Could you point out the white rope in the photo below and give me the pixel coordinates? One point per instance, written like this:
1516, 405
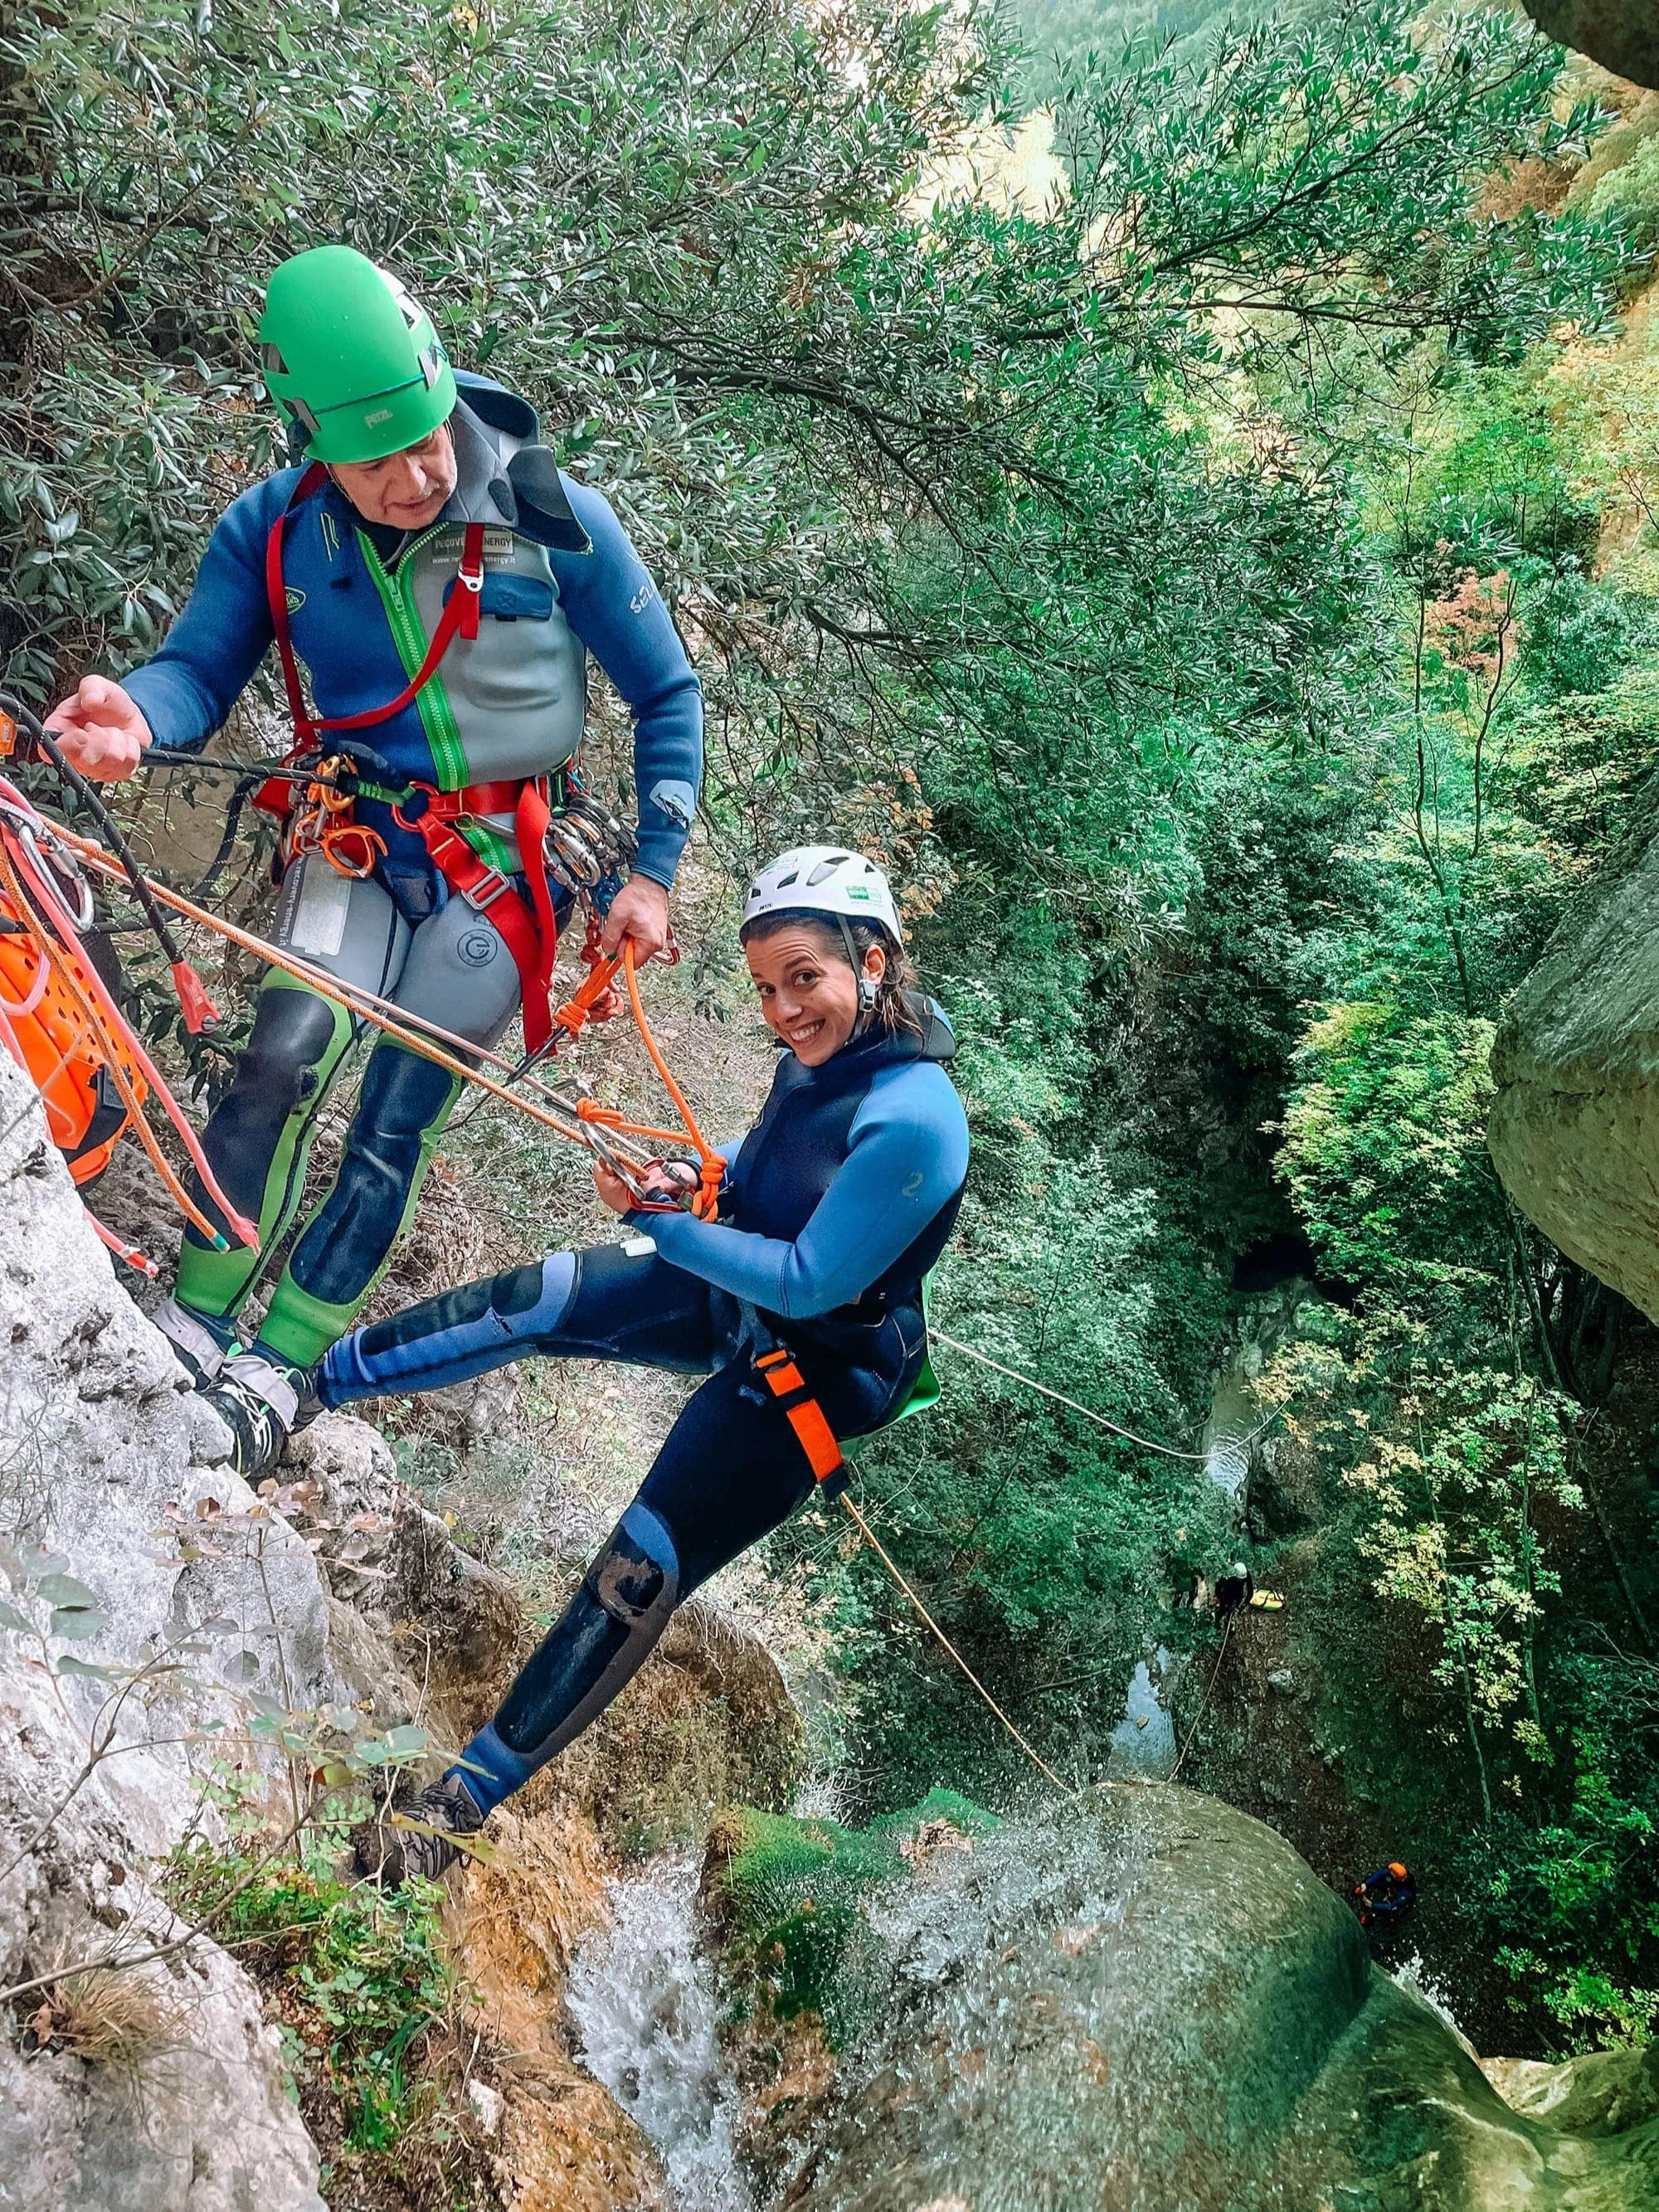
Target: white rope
1169, 1451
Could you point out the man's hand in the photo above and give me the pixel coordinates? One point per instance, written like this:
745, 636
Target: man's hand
639, 912
101, 733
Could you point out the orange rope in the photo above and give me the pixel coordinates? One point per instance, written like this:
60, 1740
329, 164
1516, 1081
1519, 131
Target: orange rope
706, 1204
104, 1027
428, 1039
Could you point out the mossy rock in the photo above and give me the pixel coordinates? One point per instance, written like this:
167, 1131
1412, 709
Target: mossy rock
783, 1894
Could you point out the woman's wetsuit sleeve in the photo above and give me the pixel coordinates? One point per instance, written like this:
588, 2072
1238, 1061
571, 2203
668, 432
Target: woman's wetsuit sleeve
907, 1154
616, 611
186, 691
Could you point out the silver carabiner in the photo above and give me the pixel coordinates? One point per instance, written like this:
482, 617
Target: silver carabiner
57, 863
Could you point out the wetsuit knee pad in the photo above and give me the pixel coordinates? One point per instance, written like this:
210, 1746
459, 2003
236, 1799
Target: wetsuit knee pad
454, 1337
296, 1036
637, 1576
609, 1630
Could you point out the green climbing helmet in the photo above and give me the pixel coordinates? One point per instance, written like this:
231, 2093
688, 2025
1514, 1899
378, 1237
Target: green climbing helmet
350, 359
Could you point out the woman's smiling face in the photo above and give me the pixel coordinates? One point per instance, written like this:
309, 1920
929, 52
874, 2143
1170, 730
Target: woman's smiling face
808, 994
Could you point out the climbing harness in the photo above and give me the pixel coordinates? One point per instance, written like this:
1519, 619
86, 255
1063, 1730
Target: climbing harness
778, 1371
321, 819
58, 1019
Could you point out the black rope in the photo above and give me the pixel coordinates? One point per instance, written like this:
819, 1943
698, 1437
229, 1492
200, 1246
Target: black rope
238, 798
37, 733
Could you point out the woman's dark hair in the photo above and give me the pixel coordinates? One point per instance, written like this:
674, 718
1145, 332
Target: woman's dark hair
892, 1008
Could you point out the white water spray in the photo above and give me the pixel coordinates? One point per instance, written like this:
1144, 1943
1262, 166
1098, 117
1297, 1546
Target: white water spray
644, 2001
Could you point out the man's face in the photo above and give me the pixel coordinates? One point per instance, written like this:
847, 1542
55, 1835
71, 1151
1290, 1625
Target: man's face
407, 489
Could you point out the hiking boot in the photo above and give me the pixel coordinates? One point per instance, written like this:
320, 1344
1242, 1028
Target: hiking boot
391, 1856
259, 1403
195, 1344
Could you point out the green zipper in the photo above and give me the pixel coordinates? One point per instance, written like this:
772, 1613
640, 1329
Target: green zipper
403, 615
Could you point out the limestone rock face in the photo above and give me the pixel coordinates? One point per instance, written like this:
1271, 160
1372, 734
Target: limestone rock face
1574, 1129
1623, 35
105, 1462
1157, 2003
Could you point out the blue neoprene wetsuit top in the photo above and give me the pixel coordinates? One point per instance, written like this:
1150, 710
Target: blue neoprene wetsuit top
562, 581
840, 1199
843, 1194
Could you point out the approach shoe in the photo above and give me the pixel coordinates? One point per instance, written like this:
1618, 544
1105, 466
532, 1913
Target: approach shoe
394, 1854
197, 1345
259, 1401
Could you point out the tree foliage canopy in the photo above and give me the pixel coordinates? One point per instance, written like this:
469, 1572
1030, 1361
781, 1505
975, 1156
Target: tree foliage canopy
1212, 563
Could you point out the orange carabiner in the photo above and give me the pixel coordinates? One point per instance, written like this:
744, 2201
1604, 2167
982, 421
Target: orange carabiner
329, 796
338, 834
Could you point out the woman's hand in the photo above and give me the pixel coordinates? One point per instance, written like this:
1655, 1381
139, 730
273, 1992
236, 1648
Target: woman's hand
612, 1188
667, 1181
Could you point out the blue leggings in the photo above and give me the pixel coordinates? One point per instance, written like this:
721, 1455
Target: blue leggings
730, 1470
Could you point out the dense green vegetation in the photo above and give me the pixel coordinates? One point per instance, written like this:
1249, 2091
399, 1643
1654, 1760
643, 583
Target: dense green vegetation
366, 2001
1220, 581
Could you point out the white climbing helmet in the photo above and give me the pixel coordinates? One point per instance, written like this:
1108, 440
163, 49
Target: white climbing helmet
826, 879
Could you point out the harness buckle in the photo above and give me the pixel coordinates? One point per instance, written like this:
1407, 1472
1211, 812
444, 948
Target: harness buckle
482, 895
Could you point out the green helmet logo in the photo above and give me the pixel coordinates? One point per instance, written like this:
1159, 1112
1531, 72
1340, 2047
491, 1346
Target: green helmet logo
350, 358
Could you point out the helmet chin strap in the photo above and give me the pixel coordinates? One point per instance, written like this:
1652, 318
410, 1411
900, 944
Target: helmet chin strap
869, 989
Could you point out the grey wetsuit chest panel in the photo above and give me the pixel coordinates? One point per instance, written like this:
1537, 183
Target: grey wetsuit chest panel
517, 692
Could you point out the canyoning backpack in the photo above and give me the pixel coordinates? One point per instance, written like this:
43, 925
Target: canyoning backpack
50, 1016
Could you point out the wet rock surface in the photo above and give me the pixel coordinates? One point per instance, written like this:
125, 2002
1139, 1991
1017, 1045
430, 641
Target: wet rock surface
1158, 2004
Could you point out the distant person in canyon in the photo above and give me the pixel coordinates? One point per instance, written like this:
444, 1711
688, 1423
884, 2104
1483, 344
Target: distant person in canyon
1386, 1896
802, 1304
444, 584
1234, 1590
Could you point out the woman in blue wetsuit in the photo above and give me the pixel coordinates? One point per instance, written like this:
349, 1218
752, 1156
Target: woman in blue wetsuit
834, 1207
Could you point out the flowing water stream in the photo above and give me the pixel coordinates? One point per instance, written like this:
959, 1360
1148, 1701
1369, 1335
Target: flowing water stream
1144, 1741
645, 2004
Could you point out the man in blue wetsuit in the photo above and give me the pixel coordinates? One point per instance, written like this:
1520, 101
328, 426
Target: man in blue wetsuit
802, 1304
443, 583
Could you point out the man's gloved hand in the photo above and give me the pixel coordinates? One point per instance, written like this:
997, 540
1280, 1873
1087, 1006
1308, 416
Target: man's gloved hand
101, 733
639, 911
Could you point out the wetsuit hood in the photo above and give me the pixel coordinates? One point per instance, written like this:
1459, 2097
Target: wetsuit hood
525, 490
529, 493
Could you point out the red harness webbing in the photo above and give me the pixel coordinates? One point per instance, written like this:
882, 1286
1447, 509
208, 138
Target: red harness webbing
530, 937
530, 932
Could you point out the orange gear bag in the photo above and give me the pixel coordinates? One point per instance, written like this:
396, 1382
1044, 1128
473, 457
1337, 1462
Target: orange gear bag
50, 1036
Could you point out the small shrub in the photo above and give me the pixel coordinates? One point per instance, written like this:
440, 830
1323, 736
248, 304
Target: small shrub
358, 1978
788, 1892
